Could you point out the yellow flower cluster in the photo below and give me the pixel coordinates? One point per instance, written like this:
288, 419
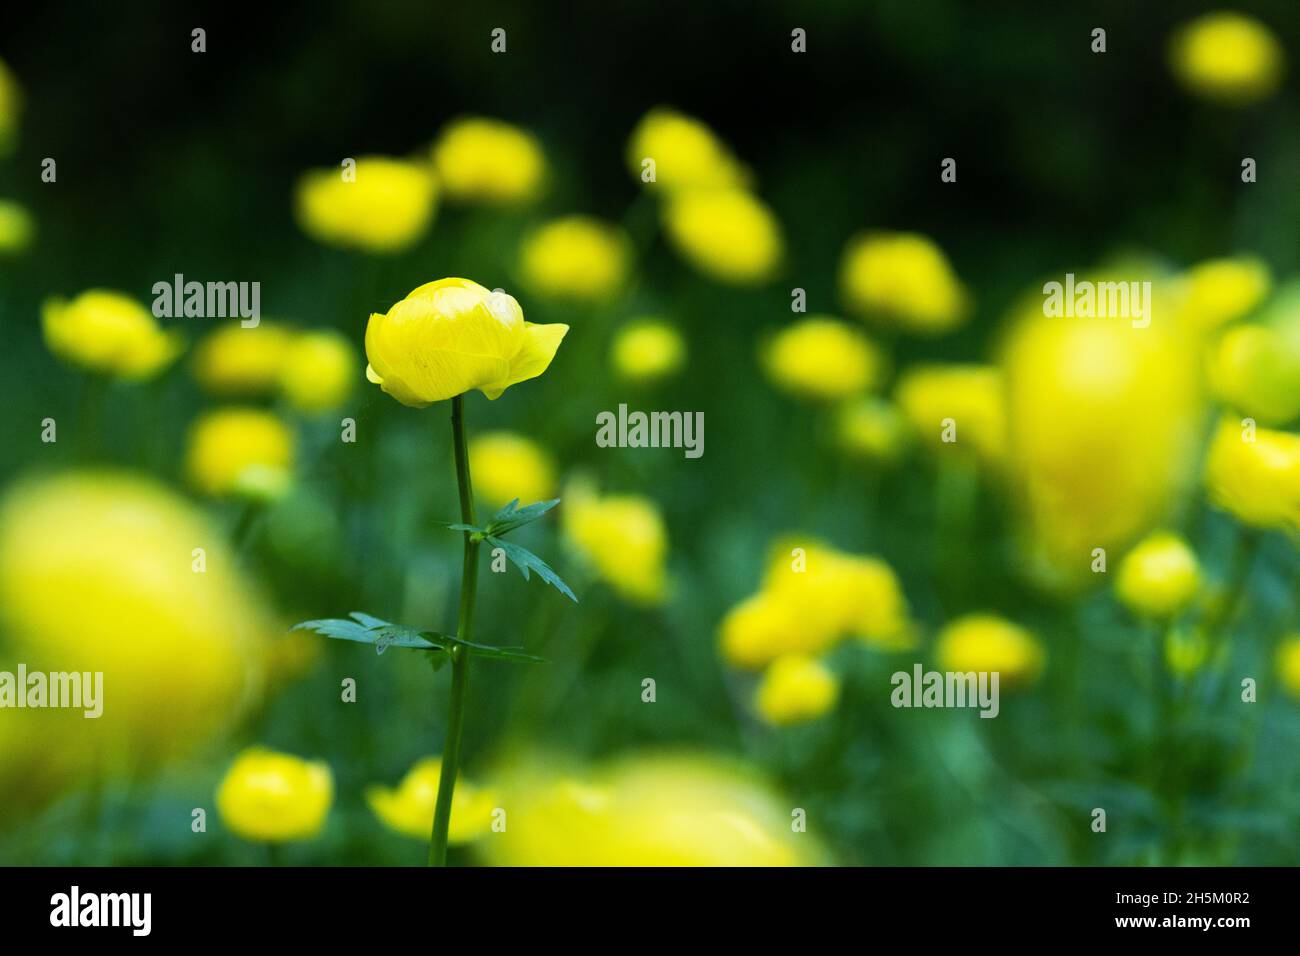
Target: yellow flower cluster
578, 258
407, 809
506, 466
109, 333
822, 358
313, 370
1227, 57
623, 539
274, 797
902, 279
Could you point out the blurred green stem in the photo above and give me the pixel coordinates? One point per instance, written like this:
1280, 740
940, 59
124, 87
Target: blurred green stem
459, 658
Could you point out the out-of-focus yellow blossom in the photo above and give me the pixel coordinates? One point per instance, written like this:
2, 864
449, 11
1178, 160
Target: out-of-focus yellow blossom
985, 642
385, 207
273, 797
486, 160
1186, 651
1227, 57
795, 689
686, 154
233, 361
408, 808
506, 466
822, 358
1103, 420
654, 810
871, 428
902, 279
1255, 369
10, 106
318, 370
580, 258
727, 234
1220, 291
239, 451
1159, 577
766, 625
647, 350
110, 333
1288, 664
99, 572
16, 228
1257, 481
452, 335
624, 539
972, 396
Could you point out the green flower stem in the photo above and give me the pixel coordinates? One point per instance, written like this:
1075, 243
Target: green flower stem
459, 656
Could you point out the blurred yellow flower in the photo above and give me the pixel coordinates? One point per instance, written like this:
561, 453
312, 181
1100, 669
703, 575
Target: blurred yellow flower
237, 450
507, 466
647, 350
408, 808
987, 643
233, 361
111, 572
1288, 664
11, 101
902, 279
384, 205
795, 689
486, 160
1186, 651
110, 333
453, 335
822, 358
727, 234
652, 810
318, 370
1219, 291
576, 257
955, 407
623, 538
1159, 577
273, 797
766, 625
1255, 369
686, 154
872, 429
1228, 57
1254, 474
17, 228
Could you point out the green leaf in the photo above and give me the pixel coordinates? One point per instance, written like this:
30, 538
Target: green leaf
526, 561
366, 629
467, 527
515, 654
511, 516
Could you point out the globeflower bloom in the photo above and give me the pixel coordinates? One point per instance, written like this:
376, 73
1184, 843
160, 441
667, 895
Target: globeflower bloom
384, 206
987, 643
1254, 474
822, 358
872, 429
17, 228
647, 350
240, 451
318, 371
623, 538
274, 797
507, 466
1255, 369
970, 398
453, 335
109, 333
233, 361
902, 279
1159, 577
1227, 57
407, 809
686, 153
727, 234
488, 161
576, 257
1219, 291
795, 689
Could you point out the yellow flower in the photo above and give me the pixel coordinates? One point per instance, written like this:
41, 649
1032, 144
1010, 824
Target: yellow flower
903, 279
506, 466
1254, 474
795, 689
453, 335
383, 205
766, 625
1255, 369
240, 451
647, 350
408, 808
99, 573
318, 370
646, 810
272, 797
1288, 664
11, 102
727, 234
1227, 57
576, 257
110, 333
17, 228
686, 154
623, 538
822, 358
233, 361
971, 396
1220, 291
986, 643
1159, 577
872, 429
1186, 651
486, 160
